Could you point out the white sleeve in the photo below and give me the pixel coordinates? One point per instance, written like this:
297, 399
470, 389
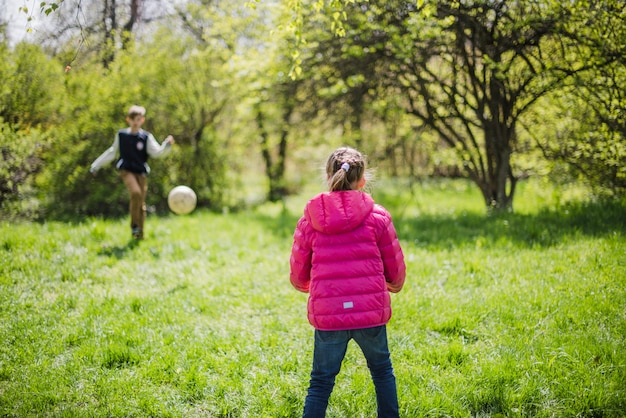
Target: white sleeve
155, 150
107, 156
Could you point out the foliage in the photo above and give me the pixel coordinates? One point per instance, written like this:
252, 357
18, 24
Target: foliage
467, 71
28, 94
184, 98
276, 104
94, 109
424, 88
187, 97
516, 314
21, 160
44, 7
583, 126
30, 87
583, 133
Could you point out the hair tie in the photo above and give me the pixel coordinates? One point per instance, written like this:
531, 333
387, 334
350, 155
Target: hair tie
345, 167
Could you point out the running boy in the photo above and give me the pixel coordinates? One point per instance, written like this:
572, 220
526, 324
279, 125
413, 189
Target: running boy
347, 256
134, 146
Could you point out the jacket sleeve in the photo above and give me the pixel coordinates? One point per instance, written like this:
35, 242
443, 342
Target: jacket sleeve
155, 150
393, 258
300, 261
107, 156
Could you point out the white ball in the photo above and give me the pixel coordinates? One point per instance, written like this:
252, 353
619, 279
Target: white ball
182, 200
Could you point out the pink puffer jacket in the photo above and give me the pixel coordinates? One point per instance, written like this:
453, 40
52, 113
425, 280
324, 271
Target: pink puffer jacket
346, 254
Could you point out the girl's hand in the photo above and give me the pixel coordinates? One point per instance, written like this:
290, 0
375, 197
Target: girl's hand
170, 139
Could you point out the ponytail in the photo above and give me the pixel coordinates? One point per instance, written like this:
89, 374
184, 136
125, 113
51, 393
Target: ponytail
339, 181
345, 168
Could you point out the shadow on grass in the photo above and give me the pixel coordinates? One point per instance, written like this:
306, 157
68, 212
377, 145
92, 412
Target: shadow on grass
119, 251
281, 225
544, 229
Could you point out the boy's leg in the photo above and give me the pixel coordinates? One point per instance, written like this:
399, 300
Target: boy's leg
142, 180
136, 193
328, 353
373, 343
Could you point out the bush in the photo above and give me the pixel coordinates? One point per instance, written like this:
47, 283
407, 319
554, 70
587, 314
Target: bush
21, 160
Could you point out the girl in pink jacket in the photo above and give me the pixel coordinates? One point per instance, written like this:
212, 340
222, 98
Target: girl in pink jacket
347, 256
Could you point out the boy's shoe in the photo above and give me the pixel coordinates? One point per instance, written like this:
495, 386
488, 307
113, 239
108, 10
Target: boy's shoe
137, 233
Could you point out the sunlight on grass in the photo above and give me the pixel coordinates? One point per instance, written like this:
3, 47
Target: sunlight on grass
513, 315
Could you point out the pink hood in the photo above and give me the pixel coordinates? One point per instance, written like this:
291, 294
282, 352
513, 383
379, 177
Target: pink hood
338, 212
346, 254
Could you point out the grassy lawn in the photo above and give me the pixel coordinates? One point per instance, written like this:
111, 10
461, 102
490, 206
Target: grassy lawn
506, 315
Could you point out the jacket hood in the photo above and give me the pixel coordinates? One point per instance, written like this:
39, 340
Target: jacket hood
338, 212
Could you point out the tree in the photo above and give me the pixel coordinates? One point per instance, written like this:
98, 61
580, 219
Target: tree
272, 97
30, 86
586, 127
111, 27
598, 148
468, 70
182, 91
185, 79
101, 27
586, 134
190, 93
28, 97
274, 108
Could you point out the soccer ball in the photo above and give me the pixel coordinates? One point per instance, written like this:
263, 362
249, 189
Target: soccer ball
182, 200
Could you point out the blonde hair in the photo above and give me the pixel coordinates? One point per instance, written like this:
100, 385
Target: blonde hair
135, 110
345, 167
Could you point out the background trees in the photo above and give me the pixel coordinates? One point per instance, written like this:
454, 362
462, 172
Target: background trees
491, 90
467, 71
587, 133
28, 99
180, 78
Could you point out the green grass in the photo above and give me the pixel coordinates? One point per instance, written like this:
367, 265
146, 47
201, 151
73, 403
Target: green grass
518, 314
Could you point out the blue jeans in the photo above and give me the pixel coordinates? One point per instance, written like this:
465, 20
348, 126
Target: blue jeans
329, 351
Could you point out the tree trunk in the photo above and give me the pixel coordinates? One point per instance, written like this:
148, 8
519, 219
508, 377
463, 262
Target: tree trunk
498, 186
273, 171
132, 20
110, 26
